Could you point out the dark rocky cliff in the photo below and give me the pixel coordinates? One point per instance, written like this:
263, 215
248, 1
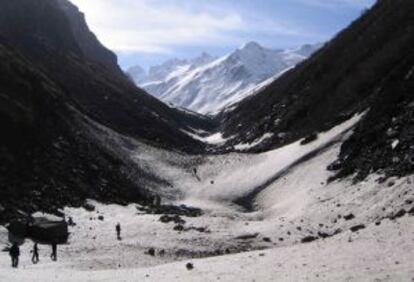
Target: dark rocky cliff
368, 66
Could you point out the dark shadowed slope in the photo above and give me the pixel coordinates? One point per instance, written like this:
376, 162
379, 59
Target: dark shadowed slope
54, 35
56, 82
369, 65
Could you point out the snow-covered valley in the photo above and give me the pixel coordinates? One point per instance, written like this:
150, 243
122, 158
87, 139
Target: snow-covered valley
299, 226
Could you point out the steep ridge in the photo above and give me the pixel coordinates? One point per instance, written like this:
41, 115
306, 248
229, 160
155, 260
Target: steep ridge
367, 66
57, 83
91, 83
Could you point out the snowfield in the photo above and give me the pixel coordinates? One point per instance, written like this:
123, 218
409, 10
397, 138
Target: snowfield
354, 232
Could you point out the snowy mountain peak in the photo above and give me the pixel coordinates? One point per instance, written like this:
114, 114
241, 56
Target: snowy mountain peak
207, 85
251, 46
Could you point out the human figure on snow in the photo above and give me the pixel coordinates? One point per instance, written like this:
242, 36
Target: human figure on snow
53, 255
118, 231
14, 254
35, 256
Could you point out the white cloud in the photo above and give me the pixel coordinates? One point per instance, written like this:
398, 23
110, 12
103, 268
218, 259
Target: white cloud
150, 26
158, 26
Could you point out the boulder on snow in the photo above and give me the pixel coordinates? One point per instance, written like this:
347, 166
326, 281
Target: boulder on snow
89, 207
357, 227
47, 230
17, 231
308, 239
310, 138
189, 266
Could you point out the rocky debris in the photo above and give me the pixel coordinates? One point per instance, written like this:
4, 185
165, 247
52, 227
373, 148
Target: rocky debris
399, 214
357, 227
310, 138
309, 239
411, 211
172, 218
47, 231
323, 235
101, 218
18, 228
151, 252
247, 236
189, 266
89, 207
199, 229
40, 229
349, 216
267, 239
179, 227
181, 210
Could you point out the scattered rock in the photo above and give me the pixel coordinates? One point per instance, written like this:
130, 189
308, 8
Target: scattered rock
323, 234
399, 214
189, 266
151, 252
247, 236
310, 138
308, 239
89, 207
349, 216
181, 210
71, 222
267, 239
48, 231
179, 227
172, 218
357, 227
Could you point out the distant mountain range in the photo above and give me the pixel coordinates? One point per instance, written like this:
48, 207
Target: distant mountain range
207, 84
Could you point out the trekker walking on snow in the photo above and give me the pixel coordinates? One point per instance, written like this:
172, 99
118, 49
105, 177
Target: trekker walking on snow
53, 256
14, 254
118, 231
35, 256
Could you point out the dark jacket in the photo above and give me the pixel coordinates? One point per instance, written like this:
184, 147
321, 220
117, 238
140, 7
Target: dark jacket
14, 251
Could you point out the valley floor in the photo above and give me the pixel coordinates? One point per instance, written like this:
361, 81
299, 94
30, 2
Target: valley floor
302, 228
376, 253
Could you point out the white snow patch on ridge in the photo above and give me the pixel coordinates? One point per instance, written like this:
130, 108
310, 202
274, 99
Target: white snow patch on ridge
245, 146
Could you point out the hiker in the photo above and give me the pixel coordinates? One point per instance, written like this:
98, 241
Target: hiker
14, 254
53, 256
118, 231
35, 256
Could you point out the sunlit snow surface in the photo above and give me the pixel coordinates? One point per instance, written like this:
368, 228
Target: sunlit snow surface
295, 202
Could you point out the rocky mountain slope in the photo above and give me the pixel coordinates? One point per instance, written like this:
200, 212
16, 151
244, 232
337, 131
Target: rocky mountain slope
207, 84
57, 84
367, 67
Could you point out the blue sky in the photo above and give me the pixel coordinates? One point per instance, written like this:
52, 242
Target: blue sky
147, 32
